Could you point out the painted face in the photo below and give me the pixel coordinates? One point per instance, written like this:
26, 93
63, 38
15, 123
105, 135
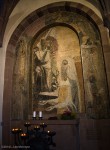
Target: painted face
65, 62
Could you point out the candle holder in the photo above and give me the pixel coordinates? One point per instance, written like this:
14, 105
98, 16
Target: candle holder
24, 137
51, 134
43, 126
34, 137
37, 131
18, 135
34, 118
15, 132
37, 128
27, 125
40, 118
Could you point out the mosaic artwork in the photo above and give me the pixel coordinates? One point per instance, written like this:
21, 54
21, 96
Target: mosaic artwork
56, 86
61, 69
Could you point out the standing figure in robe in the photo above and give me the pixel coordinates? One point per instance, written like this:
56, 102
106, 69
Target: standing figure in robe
45, 64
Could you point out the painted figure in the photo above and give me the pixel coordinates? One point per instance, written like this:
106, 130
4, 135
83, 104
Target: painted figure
45, 64
68, 97
44, 56
39, 73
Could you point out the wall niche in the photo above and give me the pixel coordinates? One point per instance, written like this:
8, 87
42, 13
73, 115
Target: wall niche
61, 69
56, 72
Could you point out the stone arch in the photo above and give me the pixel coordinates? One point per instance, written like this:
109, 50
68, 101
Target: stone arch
26, 27
38, 17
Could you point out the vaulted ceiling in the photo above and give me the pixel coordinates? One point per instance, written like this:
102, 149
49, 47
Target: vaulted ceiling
7, 6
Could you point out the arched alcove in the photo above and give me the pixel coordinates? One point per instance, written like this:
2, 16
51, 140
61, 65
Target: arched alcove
90, 74
89, 38
56, 45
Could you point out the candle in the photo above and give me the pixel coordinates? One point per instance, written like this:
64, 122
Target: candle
40, 114
43, 125
51, 133
27, 124
24, 136
37, 128
14, 131
48, 131
34, 113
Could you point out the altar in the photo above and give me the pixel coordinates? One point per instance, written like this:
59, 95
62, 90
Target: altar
77, 134
67, 132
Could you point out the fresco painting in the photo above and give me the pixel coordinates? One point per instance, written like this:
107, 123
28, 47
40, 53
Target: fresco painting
94, 78
19, 103
55, 81
60, 70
